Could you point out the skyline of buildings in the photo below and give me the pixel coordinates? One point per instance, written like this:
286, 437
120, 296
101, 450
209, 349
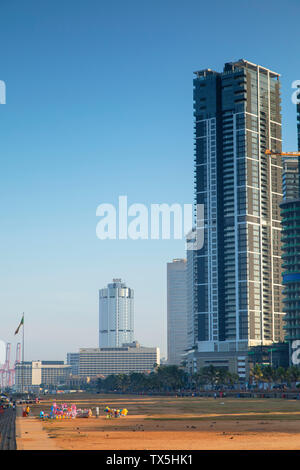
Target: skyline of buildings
239, 300
115, 312
227, 297
63, 158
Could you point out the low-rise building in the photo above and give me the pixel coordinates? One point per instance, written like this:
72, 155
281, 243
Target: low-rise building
131, 357
76, 382
73, 361
233, 362
32, 374
275, 355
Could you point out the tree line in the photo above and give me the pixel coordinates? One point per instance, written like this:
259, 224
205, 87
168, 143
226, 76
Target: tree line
166, 379
172, 378
279, 375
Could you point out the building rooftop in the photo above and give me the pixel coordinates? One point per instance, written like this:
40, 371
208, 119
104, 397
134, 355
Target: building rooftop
236, 64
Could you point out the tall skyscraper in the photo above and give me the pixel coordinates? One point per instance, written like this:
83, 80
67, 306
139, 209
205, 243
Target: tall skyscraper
290, 211
238, 281
291, 176
176, 310
115, 315
298, 124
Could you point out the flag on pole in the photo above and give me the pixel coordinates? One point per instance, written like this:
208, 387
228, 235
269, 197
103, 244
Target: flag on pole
21, 323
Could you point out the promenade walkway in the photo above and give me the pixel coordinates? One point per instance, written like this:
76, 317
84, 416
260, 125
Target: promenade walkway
7, 429
30, 435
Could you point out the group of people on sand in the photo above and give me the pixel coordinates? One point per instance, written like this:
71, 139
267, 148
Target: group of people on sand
114, 413
221, 395
65, 411
26, 411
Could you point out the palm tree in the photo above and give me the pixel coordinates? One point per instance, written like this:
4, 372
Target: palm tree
268, 374
171, 378
109, 383
280, 374
199, 379
193, 381
137, 382
222, 376
293, 374
256, 373
231, 378
210, 375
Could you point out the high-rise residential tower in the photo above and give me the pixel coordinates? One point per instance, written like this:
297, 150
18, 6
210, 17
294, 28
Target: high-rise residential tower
290, 211
176, 310
298, 124
290, 179
238, 278
115, 315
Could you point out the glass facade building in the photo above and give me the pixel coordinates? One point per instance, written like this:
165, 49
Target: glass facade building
115, 315
290, 210
291, 263
298, 124
238, 278
290, 179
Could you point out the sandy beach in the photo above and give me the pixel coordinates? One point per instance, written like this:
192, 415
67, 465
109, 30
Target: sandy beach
168, 424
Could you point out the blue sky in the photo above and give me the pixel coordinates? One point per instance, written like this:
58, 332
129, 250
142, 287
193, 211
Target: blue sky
99, 104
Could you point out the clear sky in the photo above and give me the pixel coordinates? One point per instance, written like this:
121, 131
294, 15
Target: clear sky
99, 104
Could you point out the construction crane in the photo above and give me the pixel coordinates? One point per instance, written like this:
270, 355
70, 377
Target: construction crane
7, 374
12, 371
5, 370
282, 154
285, 156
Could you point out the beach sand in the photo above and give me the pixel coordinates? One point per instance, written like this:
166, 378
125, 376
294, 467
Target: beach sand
217, 425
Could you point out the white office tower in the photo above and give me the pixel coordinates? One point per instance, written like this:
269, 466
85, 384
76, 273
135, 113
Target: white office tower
177, 310
115, 315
